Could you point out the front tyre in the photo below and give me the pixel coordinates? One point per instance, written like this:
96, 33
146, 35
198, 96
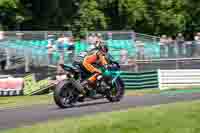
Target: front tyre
65, 94
117, 91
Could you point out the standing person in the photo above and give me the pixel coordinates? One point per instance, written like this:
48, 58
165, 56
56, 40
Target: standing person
171, 47
2, 59
2, 37
60, 47
3, 64
97, 40
198, 45
50, 51
109, 35
91, 39
133, 64
180, 44
140, 50
163, 46
71, 48
124, 57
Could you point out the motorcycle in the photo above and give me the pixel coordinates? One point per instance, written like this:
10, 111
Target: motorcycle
109, 85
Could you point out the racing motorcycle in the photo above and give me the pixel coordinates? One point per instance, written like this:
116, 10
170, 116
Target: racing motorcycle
109, 85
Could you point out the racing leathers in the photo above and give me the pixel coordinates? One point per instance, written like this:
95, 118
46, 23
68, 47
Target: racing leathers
95, 56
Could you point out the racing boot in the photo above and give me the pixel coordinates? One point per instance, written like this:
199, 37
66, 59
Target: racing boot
80, 88
83, 91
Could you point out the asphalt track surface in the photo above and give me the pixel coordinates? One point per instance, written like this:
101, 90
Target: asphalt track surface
17, 117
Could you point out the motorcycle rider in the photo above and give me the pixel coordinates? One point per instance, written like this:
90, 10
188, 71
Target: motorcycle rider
97, 56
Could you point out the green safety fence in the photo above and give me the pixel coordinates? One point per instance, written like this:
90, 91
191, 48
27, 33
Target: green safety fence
140, 80
132, 80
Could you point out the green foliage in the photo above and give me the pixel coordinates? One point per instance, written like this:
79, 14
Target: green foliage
8, 13
171, 16
89, 17
147, 16
135, 12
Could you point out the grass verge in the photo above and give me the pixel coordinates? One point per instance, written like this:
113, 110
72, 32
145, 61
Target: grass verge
142, 92
171, 118
22, 101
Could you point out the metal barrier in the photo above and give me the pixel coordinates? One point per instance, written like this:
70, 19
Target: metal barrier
31, 48
172, 79
27, 48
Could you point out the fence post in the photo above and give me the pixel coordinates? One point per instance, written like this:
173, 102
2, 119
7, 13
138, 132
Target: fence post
159, 79
8, 63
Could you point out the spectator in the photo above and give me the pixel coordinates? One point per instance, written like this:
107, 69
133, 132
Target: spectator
180, 44
133, 64
51, 37
109, 35
71, 49
20, 35
95, 40
163, 46
124, 56
91, 39
2, 58
2, 37
171, 47
60, 46
99, 39
3, 64
196, 37
50, 48
140, 50
196, 48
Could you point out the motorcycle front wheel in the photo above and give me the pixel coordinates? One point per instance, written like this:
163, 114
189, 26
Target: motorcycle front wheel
117, 91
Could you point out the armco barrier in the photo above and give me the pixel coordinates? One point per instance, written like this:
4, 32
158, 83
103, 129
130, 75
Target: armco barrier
169, 79
140, 80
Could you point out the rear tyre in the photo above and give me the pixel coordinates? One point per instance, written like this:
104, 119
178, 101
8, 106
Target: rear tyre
65, 94
117, 92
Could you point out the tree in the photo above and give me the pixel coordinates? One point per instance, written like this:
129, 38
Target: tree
135, 12
89, 17
171, 16
8, 14
192, 8
146, 16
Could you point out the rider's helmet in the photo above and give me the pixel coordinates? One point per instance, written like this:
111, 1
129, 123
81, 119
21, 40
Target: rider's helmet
103, 48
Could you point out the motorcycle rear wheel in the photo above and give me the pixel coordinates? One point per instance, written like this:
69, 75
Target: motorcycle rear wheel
65, 94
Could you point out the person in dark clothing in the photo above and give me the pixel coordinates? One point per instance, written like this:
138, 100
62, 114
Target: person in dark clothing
3, 64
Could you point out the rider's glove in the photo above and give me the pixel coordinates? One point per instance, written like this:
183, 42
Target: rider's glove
107, 66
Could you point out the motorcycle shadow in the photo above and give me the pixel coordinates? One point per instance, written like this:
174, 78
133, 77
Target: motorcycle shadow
88, 103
